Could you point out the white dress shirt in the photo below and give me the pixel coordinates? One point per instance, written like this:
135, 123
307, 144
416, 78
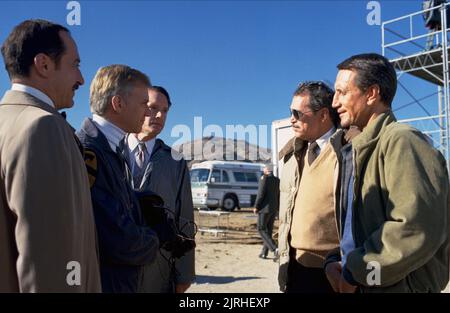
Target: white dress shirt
133, 149
112, 133
322, 141
34, 92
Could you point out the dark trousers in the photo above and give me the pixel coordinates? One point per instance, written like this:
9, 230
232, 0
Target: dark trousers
303, 279
265, 229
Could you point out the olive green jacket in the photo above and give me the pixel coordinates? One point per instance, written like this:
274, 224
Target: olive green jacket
400, 210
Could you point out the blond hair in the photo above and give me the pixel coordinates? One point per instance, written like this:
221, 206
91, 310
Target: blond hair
113, 80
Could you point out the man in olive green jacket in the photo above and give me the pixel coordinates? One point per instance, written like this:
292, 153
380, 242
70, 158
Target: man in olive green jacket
394, 217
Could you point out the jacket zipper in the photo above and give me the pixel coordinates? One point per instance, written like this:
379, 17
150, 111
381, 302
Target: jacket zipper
355, 181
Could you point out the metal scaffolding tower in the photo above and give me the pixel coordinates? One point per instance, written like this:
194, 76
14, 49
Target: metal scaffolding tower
429, 62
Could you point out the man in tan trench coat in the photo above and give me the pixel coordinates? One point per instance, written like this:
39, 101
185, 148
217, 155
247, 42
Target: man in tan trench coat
47, 230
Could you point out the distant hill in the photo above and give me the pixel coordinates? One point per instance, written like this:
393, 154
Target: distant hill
223, 149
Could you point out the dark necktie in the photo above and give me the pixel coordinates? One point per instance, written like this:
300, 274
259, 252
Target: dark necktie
313, 152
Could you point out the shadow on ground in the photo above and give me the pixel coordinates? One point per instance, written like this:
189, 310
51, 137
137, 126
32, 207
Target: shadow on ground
205, 279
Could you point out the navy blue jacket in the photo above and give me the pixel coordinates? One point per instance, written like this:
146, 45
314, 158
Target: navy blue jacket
125, 243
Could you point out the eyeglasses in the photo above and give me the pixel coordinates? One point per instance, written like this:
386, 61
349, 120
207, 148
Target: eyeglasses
310, 86
298, 114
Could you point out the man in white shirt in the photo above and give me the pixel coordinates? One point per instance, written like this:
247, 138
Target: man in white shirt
118, 101
308, 228
47, 226
158, 168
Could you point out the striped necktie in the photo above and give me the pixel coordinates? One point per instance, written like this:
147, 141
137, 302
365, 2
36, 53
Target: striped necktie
140, 155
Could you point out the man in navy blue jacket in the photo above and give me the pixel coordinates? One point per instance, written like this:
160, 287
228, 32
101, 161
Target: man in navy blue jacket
118, 101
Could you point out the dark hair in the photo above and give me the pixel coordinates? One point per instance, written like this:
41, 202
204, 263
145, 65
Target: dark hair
162, 91
28, 39
320, 96
373, 69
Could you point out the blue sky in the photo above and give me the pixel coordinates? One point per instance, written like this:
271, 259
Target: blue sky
230, 62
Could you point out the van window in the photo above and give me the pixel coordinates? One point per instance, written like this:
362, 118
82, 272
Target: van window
239, 177
199, 175
251, 177
216, 175
225, 178
245, 177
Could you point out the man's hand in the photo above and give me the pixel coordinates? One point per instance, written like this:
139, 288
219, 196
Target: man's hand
345, 287
181, 288
255, 210
334, 272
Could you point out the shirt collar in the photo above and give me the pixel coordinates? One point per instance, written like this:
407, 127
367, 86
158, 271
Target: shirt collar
112, 133
322, 141
133, 143
34, 92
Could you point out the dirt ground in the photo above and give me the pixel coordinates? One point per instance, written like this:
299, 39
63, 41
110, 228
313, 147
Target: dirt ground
227, 261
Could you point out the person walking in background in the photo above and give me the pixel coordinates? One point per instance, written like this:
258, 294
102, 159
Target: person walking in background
266, 205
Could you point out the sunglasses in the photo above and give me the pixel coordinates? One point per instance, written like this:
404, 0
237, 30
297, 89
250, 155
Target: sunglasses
306, 85
298, 114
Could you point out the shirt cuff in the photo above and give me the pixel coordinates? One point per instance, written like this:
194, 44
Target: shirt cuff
331, 259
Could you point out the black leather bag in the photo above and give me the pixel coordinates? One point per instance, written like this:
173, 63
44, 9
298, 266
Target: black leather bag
156, 217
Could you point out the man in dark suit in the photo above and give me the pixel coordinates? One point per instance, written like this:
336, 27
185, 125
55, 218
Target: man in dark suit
158, 168
266, 206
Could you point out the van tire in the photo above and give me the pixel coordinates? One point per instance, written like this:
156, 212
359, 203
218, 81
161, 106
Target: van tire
229, 203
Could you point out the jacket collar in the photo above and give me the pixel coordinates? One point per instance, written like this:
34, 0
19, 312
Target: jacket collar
92, 133
159, 144
294, 145
161, 150
365, 143
14, 97
34, 92
372, 133
337, 140
342, 137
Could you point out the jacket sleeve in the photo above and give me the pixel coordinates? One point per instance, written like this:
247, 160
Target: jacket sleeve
39, 189
416, 209
185, 266
122, 240
332, 256
261, 193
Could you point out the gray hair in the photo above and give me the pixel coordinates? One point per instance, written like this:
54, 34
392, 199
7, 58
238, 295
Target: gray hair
113, 80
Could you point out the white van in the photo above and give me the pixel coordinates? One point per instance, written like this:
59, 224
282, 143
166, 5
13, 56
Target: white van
225, 184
